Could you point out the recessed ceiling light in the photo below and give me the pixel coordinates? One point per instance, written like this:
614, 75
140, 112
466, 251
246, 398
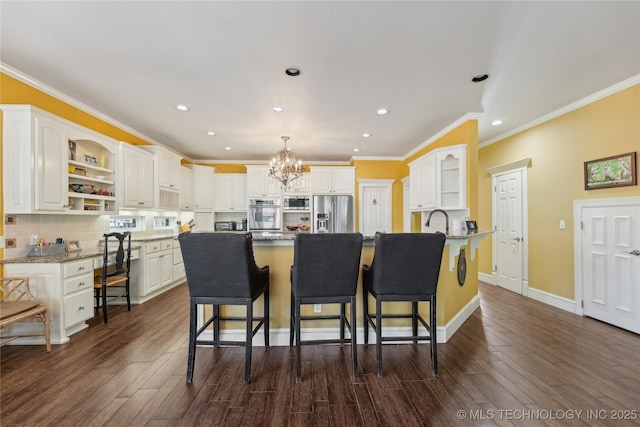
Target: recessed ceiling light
496, 123
293, 71
227, 148
211, 133
382, 111
480, 78
356, 150
182, 108
366, 135
277, 110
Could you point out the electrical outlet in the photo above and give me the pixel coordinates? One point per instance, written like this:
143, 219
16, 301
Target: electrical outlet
10, 242
34, 239
563, 225
317, 308
10, 219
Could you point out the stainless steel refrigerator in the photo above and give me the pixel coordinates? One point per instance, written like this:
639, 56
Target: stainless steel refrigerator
333, 214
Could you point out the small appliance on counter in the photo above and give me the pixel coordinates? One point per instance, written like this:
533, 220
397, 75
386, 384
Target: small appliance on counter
225, 226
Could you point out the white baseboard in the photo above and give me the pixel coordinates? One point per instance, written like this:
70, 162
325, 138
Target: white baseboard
487, 278
557, 301
280, 337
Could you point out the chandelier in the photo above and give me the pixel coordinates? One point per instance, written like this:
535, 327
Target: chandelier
284, 167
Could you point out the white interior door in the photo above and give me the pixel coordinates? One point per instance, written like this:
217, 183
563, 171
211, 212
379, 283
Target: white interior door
375, 206
509, 234
611, 265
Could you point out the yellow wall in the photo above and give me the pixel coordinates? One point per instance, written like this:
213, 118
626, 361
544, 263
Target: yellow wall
452, 297
380, 169
558, 149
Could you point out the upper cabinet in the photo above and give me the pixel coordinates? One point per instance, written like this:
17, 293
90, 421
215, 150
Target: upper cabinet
260, 184
422, 183
230, 192
299, 186
136, 177
167, 178
167, 168
333, 179
203, 177
452, 177
52, 165
438, 179
185, 199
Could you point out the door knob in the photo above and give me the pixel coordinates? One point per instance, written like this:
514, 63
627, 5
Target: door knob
634, 252
517, 239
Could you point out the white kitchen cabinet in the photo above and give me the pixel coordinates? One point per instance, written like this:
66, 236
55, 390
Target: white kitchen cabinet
154, 274
136, 177
230, 192
203, 177
422, 183
38, 162
167, 170
300, 186
67, 288
452, 177
438, 179
333, 179
185, 199
260, 184
179, 274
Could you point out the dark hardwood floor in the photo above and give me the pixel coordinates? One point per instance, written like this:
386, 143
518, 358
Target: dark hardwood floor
514, 362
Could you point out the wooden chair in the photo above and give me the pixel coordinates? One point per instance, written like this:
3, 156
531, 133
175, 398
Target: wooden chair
18, 303
115, 274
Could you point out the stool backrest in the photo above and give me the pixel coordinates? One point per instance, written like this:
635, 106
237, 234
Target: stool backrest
218, 264
326, 264
407, 263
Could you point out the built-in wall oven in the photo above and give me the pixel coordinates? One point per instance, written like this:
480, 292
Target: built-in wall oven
264, 214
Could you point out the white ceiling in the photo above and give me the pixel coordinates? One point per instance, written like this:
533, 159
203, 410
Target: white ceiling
134, 61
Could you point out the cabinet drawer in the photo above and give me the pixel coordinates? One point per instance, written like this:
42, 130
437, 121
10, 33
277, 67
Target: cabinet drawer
152, 247
77, 267
78, 307
166, 244
78, 283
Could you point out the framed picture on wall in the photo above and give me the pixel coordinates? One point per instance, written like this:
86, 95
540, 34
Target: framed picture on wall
609, 172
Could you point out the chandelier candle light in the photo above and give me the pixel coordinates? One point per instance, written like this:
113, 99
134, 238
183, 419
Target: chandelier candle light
284, 167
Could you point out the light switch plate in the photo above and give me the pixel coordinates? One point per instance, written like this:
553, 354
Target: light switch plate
562, 224
317, 308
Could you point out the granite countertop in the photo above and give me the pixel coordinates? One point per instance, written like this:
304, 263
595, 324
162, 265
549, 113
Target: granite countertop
56, 259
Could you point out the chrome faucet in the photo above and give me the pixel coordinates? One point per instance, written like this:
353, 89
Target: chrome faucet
446, 218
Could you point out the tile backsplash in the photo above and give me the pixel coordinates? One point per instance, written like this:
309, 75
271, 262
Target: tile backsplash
87, 230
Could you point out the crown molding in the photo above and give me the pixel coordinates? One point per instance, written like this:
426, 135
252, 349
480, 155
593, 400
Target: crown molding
443, 132
625, 84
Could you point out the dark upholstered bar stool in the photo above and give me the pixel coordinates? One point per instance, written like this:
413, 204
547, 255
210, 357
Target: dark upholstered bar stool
221, 270
325, 271
405, 267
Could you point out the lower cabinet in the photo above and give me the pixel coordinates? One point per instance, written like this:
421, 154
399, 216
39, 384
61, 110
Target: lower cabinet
154, 274
66, 288
179, 274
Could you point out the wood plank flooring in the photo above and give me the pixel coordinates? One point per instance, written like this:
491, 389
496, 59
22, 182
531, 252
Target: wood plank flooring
514, 362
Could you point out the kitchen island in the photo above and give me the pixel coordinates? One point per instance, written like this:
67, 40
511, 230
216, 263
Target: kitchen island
455, 302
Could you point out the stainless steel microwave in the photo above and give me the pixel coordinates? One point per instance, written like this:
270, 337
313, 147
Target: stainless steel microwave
296, 203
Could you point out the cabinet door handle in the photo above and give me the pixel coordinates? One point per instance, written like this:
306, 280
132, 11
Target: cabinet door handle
81, 308
80, 268
633, 252
81, 284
